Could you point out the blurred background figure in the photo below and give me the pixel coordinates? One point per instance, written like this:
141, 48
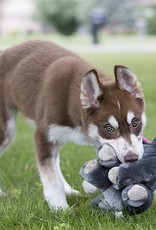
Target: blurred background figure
98, 19
80, 21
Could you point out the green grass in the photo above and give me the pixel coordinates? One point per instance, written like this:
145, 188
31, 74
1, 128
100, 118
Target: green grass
24, 206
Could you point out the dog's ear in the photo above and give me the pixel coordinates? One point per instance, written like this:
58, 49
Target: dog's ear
126, 80
91, 93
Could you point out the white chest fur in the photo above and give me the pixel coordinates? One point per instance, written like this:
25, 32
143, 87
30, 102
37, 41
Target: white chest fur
64, 134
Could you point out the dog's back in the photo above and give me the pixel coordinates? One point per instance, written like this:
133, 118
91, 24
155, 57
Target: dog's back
24, 70
47, 51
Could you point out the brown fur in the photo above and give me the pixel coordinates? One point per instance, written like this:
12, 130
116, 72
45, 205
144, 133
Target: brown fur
30, 75
42, 80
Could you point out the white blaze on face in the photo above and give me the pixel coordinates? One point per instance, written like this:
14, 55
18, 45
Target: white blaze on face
122, 146
130, 117
112, 120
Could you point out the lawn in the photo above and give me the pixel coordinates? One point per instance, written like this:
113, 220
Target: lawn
80, 39
24, 206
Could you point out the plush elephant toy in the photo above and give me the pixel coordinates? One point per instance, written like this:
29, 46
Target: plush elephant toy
127, 186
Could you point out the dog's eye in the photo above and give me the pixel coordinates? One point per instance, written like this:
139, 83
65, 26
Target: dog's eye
109, 128
135, 122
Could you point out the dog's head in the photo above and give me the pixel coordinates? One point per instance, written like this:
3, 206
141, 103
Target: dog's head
114, 112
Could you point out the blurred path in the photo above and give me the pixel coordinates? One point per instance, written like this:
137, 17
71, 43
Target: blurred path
109, 48
114, 48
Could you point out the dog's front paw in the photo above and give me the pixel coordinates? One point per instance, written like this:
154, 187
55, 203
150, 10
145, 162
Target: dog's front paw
71, 191
56, 204
56, 199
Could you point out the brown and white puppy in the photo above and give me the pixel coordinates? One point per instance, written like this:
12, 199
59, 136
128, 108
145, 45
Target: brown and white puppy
69, 101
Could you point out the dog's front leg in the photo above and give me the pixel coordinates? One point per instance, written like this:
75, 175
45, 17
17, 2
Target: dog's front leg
68, 189
52, 184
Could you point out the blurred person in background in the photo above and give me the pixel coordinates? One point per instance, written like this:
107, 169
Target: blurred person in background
98, 20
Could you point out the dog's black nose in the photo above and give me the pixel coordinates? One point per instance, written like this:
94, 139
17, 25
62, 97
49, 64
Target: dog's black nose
130, 157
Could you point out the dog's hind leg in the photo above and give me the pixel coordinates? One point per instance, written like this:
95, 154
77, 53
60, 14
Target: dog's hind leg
53, 186
7, 129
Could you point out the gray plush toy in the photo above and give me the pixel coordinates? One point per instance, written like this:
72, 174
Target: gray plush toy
127, 186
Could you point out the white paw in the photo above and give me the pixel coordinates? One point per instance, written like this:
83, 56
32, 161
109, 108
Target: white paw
56, 199
88, 188
71, 191
56, 204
